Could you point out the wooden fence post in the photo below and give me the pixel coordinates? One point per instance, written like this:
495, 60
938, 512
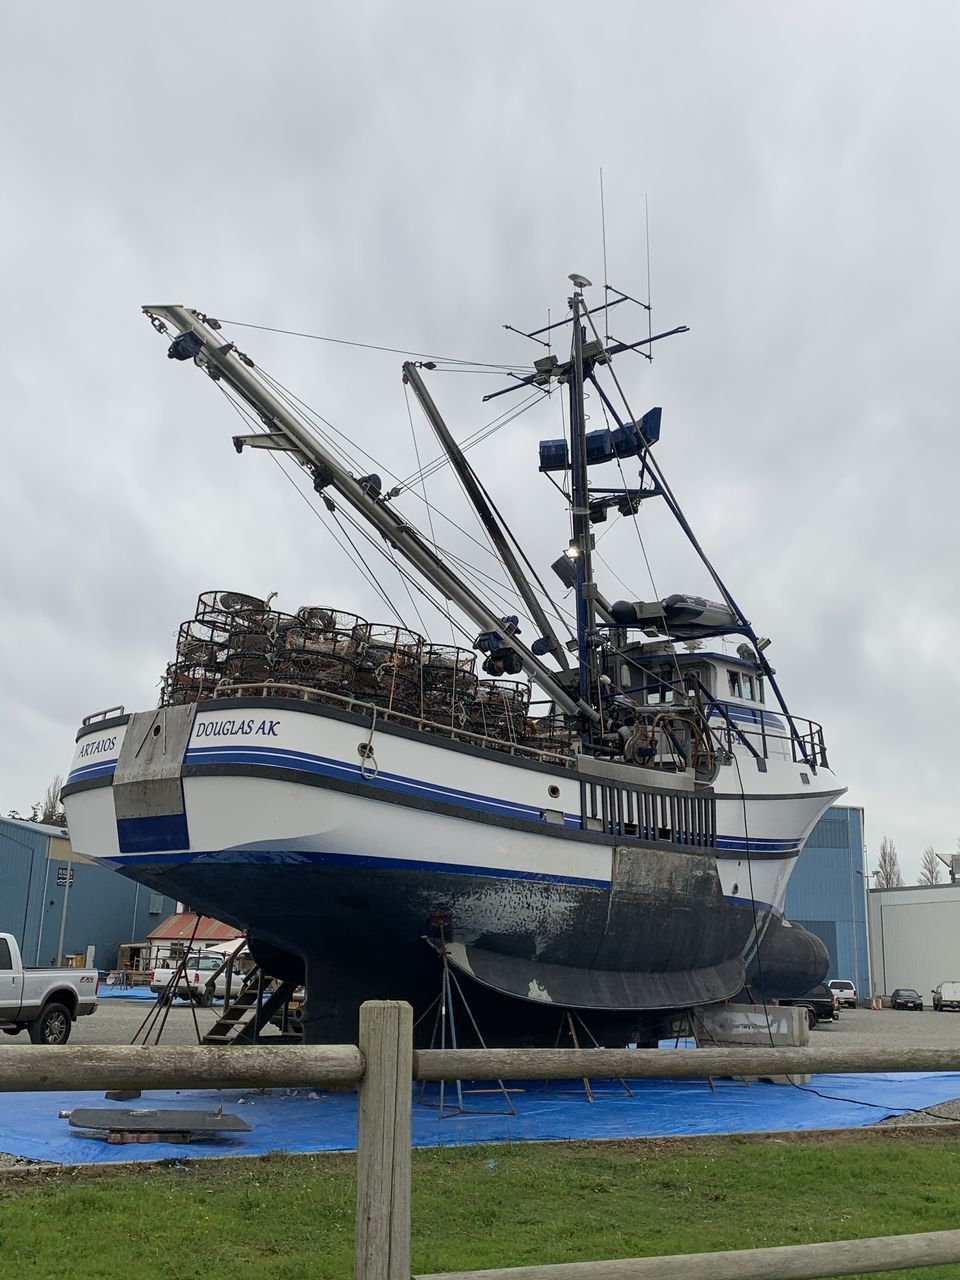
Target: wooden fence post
384, 1136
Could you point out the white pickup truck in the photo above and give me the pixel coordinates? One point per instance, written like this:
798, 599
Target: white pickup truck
46, 1002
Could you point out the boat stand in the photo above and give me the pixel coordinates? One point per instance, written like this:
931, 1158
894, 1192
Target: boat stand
156, 1019
568, 1022
702, 1037
444, 1025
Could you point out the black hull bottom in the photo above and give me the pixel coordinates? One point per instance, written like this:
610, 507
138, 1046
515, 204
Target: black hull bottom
361, 933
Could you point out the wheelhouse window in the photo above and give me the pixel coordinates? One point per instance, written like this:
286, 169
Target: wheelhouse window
746, 682
661, 691
735, 684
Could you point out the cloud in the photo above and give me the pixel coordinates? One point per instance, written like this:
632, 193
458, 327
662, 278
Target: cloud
417, 177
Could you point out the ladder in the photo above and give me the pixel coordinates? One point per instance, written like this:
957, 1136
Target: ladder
242, 1021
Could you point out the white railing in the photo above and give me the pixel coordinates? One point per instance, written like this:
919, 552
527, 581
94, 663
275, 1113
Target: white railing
384, 1066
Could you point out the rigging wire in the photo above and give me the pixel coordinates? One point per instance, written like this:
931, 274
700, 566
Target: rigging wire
293, 401
510, 601
391, 554
496, 587
423, 482
633, 514
281, 392
480, 434
346, 546
372, 346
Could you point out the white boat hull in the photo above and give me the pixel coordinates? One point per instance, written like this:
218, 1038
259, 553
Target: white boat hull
346, 845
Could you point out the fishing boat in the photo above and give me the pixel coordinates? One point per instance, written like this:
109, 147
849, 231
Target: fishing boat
602, 821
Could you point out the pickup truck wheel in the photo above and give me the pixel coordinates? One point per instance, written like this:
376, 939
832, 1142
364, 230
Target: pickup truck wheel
811, 1019
205, 998
52, 1026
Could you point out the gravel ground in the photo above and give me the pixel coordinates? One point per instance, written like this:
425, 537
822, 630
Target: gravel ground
116, 1022
888, 1027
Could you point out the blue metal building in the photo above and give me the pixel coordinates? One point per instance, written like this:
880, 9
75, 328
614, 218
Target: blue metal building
827, 893
57, 903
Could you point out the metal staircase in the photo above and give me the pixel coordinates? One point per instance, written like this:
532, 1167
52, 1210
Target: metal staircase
259, 999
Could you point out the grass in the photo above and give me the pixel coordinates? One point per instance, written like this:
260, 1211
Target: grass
287, 1217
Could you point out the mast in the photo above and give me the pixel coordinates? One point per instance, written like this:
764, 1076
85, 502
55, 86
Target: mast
483, 509
581, 541
221, 361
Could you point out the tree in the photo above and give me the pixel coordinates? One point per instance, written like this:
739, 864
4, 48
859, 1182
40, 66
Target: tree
887, 875
49, 810
930, 872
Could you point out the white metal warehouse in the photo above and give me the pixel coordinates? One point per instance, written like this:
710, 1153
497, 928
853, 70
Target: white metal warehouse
914, 937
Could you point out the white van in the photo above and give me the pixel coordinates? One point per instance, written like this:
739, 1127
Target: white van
946, 996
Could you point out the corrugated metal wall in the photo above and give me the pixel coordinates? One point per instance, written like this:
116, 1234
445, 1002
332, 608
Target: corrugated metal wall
916, 937
22, 862
827, 893
46, 888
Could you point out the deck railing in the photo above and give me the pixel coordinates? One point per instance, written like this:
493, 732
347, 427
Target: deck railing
383, 1067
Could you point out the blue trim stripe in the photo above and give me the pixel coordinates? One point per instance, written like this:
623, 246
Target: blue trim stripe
245, 857
737, 901
99, 770
279, 758
757, 844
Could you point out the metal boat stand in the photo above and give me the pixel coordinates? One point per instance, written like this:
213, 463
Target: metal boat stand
702, 1038
156, 1017
444, 1036
568, 1022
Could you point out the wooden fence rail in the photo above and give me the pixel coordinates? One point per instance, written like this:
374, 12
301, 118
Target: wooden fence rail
788, 1262
384, 1066
677, 1064
335, 1066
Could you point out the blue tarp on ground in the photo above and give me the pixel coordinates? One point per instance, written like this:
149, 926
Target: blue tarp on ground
303, 1121
124, 993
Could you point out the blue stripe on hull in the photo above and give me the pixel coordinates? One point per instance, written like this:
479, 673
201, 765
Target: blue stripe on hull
102, 769
278, 758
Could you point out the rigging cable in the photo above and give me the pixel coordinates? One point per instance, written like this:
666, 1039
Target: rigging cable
423, 483
346, 547
372, 346
295, 402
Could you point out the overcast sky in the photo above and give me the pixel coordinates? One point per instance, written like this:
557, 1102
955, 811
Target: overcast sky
416, 175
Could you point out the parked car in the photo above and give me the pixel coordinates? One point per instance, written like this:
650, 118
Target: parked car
844, 990
946, 996
44, 1002
820, 1002
196, 980
907, 998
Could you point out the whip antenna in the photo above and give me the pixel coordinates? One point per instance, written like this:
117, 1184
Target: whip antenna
606, 278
